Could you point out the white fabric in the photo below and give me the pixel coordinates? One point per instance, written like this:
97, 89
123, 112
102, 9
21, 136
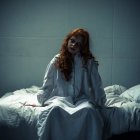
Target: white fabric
123, 115
132, 93
84, 84
115, 89
62, 120
12, 110
73, 103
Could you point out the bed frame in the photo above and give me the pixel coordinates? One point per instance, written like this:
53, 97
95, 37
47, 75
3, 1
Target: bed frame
127, 136
14, 133
10, 133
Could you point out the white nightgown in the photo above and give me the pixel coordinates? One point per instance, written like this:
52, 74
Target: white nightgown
72, 110
85, 83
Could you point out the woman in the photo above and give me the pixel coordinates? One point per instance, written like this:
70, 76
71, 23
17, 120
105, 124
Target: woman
72, 85
73, 72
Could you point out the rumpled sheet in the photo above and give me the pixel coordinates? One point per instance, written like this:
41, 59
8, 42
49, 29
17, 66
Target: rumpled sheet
62, 120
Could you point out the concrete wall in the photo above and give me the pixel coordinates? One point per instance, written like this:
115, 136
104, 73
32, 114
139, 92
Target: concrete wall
31, 33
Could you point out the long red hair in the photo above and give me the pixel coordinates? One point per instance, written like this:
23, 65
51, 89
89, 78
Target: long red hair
65, 60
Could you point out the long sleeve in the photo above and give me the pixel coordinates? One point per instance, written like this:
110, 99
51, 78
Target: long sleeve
96, 85
48, 83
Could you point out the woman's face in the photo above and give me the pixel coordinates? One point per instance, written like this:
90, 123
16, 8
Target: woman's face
74, 44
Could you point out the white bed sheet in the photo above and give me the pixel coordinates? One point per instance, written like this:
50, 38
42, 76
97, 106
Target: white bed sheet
121, 115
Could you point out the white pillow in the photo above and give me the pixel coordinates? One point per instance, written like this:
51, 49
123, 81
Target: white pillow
115, 89
132, 93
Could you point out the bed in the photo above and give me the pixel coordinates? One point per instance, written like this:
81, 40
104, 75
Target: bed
20, 122
129, 101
